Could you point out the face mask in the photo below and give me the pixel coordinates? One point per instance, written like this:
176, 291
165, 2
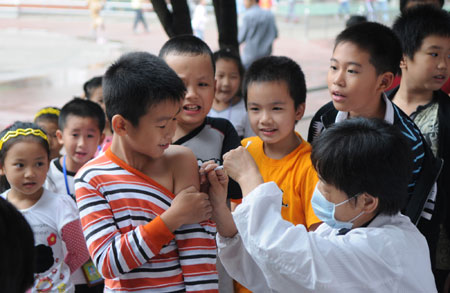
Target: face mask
325, 210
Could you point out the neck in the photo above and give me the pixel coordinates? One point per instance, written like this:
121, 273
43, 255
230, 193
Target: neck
409, 93
133, 159
376, 110
71, 166
107, 131
281, 149
23, 201
219, 105
364, 220
183, 129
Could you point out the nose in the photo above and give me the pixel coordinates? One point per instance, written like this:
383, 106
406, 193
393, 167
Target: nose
191, 93
29, 172
81, 141
265, 117
337, 77
443, 62
171, 127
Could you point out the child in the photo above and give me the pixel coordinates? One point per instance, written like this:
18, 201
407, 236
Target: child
425, 36
275, 91
93, 91
139, 201
24, 152
227, 101
209, 138
47, 119
365, 59
364, 245
81, 124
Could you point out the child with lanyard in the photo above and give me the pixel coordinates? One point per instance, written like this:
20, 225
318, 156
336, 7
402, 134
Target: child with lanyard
24, 159
47, 119
81, 123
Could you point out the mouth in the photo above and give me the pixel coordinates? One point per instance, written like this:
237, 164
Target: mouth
268, 131
440, 77
29, 184
191, 108
164, 146
337, 96
80, 154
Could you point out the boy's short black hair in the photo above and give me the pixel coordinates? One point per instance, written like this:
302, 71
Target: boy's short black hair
365, 155
81, 108
90, 85
355, 19
188, 45
419, 22
379, 41
138, 81
404, 3
277, 68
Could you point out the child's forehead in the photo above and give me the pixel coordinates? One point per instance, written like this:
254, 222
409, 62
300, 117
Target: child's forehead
271, 91
436, 41
81, 122
193, 60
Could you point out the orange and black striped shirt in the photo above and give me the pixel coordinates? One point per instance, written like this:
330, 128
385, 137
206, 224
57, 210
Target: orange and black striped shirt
120, 210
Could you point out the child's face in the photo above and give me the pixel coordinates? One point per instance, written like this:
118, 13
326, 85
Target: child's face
429, 69
155, 130
80, 137
353, 81
271, 111
50, 129
228, 80
97, 97
26, 166
198, 76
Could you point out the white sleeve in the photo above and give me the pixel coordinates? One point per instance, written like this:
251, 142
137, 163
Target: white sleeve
67, 211
239, 264
292, 259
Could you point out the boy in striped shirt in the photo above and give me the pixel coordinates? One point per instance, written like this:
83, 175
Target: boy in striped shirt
146, 224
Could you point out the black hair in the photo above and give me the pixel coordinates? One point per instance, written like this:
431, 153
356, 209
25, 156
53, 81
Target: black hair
419, 22
230, 54
81, 108
404, 3
138, 81
90, 85
379, 41
50, 114
188, 45
16, 249
277, 68
4, 185
355, 19
365, 155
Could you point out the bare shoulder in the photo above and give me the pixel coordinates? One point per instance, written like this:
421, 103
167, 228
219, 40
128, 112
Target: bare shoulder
179, 152
183, 164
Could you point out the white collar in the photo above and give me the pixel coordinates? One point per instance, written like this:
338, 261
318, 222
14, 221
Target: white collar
388, 115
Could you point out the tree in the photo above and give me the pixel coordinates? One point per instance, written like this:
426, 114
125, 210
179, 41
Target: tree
178, 21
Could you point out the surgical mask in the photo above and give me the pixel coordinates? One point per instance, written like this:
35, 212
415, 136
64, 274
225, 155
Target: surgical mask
325, 210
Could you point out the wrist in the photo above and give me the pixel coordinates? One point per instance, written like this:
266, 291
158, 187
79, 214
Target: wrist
250, 182
171, 219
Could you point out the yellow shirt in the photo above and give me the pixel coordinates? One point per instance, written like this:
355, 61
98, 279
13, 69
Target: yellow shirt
294, 174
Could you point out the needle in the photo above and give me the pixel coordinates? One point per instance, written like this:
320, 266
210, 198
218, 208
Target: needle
221, 167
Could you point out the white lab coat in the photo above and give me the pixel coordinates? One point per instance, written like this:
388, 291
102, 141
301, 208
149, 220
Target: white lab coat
270, 254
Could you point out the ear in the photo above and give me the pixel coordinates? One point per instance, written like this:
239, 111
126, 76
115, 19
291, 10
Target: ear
369, 202
59, 137
386, 80
2, 171
120, 125
404, 62
300, 111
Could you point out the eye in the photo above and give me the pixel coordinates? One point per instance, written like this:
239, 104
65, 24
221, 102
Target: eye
18, 165
277, 108
203, 84
352, 71
332, 67
90, 135
40, 164
162, 127
433, 54
254, 109
75, 134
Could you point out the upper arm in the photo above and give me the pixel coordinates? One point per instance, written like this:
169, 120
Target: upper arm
184, 166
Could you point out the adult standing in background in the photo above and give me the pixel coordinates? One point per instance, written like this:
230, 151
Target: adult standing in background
139, 16
258, 31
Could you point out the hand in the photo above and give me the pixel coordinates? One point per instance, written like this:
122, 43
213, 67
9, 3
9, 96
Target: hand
217, 184
188, 207
240, 166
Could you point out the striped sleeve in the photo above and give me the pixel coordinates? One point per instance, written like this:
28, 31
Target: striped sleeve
197, 252
113, 252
